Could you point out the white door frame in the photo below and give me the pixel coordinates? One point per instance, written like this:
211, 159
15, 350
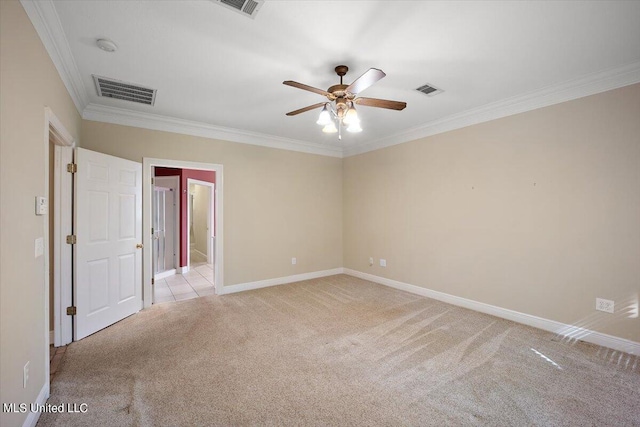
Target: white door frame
62, 253
147, 194
210, 216
175, 181
55, 132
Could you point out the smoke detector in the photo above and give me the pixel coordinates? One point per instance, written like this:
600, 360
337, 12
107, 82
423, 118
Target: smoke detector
107, 45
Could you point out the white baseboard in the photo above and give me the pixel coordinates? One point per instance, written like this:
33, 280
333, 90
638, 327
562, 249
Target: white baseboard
183, 270
199, 253
32, 418
562, 329
165, 274
279, 281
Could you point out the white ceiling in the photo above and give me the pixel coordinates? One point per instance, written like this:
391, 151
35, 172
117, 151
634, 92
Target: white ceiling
220, 74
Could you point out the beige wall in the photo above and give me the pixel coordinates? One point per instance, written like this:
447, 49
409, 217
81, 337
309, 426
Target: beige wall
277, 204
28, 83
537, 212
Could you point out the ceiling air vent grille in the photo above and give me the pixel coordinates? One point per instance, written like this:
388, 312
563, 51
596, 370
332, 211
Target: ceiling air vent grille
429, 90
110, 88
248, 8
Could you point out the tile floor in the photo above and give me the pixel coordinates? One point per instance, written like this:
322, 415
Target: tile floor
197, 282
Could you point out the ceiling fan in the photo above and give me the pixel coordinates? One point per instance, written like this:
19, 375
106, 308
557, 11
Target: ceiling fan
342, 100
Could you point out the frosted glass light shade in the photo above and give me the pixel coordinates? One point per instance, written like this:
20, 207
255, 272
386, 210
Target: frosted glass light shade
354, 127
325, 118
330, 128
351, 117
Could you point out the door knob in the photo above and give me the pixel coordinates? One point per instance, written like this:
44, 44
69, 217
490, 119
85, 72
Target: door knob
139, 246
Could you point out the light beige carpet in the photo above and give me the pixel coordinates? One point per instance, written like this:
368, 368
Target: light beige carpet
338, 351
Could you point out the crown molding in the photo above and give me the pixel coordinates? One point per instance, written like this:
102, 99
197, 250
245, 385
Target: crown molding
45, 20
121, 116
590, 84
47, 23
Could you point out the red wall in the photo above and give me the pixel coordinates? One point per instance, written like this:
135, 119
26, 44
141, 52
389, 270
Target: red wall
184, 174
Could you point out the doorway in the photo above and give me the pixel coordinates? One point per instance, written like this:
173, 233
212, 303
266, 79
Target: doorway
59, 146
188, 169
201, 221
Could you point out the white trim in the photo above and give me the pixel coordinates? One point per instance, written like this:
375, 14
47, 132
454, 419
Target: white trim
281, 280
121, 116
590, 84
32, 418
165, 274
147, 271
198, 252
62, 260
559, 328
182, 270
52, 338
174, 181
47, 23
211, 187
52, 125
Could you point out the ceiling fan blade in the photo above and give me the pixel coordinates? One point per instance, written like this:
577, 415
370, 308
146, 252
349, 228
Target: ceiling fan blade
381, 103
365, 80
302, 110
306, 87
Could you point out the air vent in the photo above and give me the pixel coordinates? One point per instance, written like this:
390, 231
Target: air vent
110, 88
429, 90
247, 8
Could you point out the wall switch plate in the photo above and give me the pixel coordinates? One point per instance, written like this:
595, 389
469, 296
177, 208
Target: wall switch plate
25, 375
42, 205
39, 247
604, 305
383, 262
370, 261
294, 261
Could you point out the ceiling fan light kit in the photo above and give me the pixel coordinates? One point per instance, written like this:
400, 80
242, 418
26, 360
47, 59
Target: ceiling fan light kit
330, 128
340, 110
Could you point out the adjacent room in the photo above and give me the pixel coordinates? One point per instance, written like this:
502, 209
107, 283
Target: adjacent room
263, 212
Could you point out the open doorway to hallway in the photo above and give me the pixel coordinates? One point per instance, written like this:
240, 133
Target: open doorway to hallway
194, 233
201, 222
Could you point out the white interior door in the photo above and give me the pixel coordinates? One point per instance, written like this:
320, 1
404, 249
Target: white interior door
108, 255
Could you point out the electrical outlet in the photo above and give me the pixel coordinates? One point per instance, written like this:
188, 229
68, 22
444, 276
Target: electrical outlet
25, 375
604, 305
383, 262
294, 261
370, 261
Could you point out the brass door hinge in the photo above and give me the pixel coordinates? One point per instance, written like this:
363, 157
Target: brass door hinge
153, 281
72, 167
71, 239
71, 311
